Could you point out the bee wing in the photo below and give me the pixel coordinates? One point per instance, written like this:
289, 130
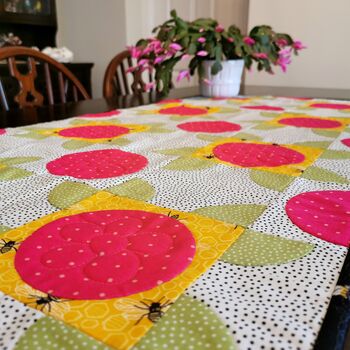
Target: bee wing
131, 308
28, 292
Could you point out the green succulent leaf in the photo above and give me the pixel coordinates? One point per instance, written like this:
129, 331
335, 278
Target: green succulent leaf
259, 249
50, 334
9, 173
238, 214
324, 175
272, 181
189, 163
68, 193
136, 188
200, 326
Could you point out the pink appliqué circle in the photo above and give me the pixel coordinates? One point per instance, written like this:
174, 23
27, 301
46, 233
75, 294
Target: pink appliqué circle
94, 131
257, 155
184, 111
323, 214
100, 115
310, 123
264, 108
100, 164
105, 254
2, 131
331, 105
210, 126
346, 142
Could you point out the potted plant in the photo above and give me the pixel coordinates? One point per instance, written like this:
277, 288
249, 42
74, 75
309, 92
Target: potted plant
218, 54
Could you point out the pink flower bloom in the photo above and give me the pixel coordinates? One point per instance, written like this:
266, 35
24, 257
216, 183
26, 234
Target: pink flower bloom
202, 53
185, 56
159, 59
260, 55
219, 28
185, 73
175, 46
135, 52
131, 69
201, 30
207, 81
201, 40
142, 62
249, 41
298, 45
231, 40
281, 42
284, 59
149, 86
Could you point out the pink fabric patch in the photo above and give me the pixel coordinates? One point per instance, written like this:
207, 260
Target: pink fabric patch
324, 214
100, 115
94, 131
310, 123
183, 110
169, 101
330, 105
257, 155
105, 254
210, 127
99, 164
264, 108
2, 131
346, 142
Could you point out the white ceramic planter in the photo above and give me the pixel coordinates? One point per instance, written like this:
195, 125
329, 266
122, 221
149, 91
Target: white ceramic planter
224, 84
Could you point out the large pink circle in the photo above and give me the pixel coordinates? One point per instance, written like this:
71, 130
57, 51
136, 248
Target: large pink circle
99, 164
210, 127
94, 131
346, 142
305, 122
257, 155
331, 105
2, 131
183, 110
324, 214
105, 254
100, 115
264, 108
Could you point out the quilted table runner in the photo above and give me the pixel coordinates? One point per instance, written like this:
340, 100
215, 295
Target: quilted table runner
186, 224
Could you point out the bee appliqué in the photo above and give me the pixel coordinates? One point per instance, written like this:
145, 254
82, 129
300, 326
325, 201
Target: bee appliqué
6, 246
42, 302
154, 310
210, 156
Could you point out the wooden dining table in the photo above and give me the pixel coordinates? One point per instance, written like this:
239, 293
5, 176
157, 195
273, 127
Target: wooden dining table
183, 138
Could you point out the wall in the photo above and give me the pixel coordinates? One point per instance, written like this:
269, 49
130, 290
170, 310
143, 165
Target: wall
94, 30
323, 26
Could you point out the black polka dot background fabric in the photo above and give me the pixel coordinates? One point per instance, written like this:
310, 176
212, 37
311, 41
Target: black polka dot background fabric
272, 296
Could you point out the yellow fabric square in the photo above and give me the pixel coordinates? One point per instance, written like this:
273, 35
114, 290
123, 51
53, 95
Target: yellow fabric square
113, 321
310, 154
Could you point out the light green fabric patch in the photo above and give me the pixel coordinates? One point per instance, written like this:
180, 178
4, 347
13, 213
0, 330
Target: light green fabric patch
33, 135
211, 138
4, 229
8, 173
331, 154
184, 151
246, 136
269, 114
50, 334
327, 133
258, 249
18, 160
324, 175
267, 126
68, 193
238, 214
272, 181
188, 324
316, 144
189, 163
135, 188
228, 110
119, 141
75, 144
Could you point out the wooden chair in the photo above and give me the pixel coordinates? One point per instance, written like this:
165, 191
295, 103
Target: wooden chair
117, 82
24, 89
